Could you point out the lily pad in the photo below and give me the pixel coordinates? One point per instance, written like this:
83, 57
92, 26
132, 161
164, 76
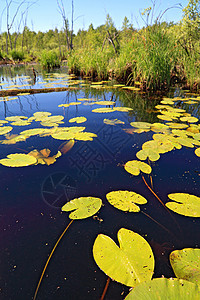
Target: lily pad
5, 129
129, 264
143, 125
122, 109
43, 157
103, 110
135, 166
148, 153
125, 200
112, 121
186, 264
18, 160
189, 119
78, 120
197, 152
185, 204
83, 207
163, 288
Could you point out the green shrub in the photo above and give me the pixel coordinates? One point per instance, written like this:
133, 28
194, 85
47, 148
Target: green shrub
17, 55
49, 59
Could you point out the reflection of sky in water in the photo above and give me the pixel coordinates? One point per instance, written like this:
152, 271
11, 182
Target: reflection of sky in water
31, 222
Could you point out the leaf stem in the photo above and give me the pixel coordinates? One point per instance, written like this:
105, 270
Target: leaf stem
105, 289
161, 203
45, 267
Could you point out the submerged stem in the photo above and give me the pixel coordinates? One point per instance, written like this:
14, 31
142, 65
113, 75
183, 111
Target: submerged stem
105, 289
45, 267
161, 202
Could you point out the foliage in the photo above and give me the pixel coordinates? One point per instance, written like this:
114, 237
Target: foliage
17, 55
49, 59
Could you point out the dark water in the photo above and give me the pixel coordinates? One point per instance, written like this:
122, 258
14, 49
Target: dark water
31, 197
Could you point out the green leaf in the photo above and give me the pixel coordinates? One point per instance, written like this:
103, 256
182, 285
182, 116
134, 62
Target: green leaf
186, 264
184, 204
129, 264
148, 153
83, 207
143, 125
125, 200
78, 120
165, 289
135, 166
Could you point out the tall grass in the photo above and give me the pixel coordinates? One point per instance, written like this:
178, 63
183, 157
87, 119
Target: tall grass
155, 55
91, 61
49, 59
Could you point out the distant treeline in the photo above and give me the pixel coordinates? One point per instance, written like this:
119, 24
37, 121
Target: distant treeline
158, 55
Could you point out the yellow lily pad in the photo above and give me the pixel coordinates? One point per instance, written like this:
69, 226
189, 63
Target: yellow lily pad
78, 120
134, 167
184, 204
69, 104
197, 152
112, 121
122, 109
189, 119
143, 125
125, 200
103, 110
104, 102
43, 157
148, 153
18, 160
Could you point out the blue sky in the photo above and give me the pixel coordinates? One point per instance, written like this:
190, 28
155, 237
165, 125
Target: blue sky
44, 15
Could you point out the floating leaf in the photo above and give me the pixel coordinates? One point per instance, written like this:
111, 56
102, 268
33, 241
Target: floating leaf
177, 125
163, 288
184, 204
78, 120
69, 104
18, 160
83, 207
186, 264
103, 110
16, 118
32, 132
122, 109
43, 157
21, 123
143, 125
129, 264
104, 102
148, 153
40, 115
66, 146
189, 119
112, 121
5, 129
165, 118
197, 152
85, 136
134, 167
125, 200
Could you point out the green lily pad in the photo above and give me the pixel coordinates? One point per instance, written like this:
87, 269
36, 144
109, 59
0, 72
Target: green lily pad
69, 104
186, 264
83, 207
129, 264
184, 204
16, 118
148, 153
163, 288
21, 123
135, 166
125, 200
18, 160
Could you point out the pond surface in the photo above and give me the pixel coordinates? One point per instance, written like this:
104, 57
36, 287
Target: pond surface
31, 197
